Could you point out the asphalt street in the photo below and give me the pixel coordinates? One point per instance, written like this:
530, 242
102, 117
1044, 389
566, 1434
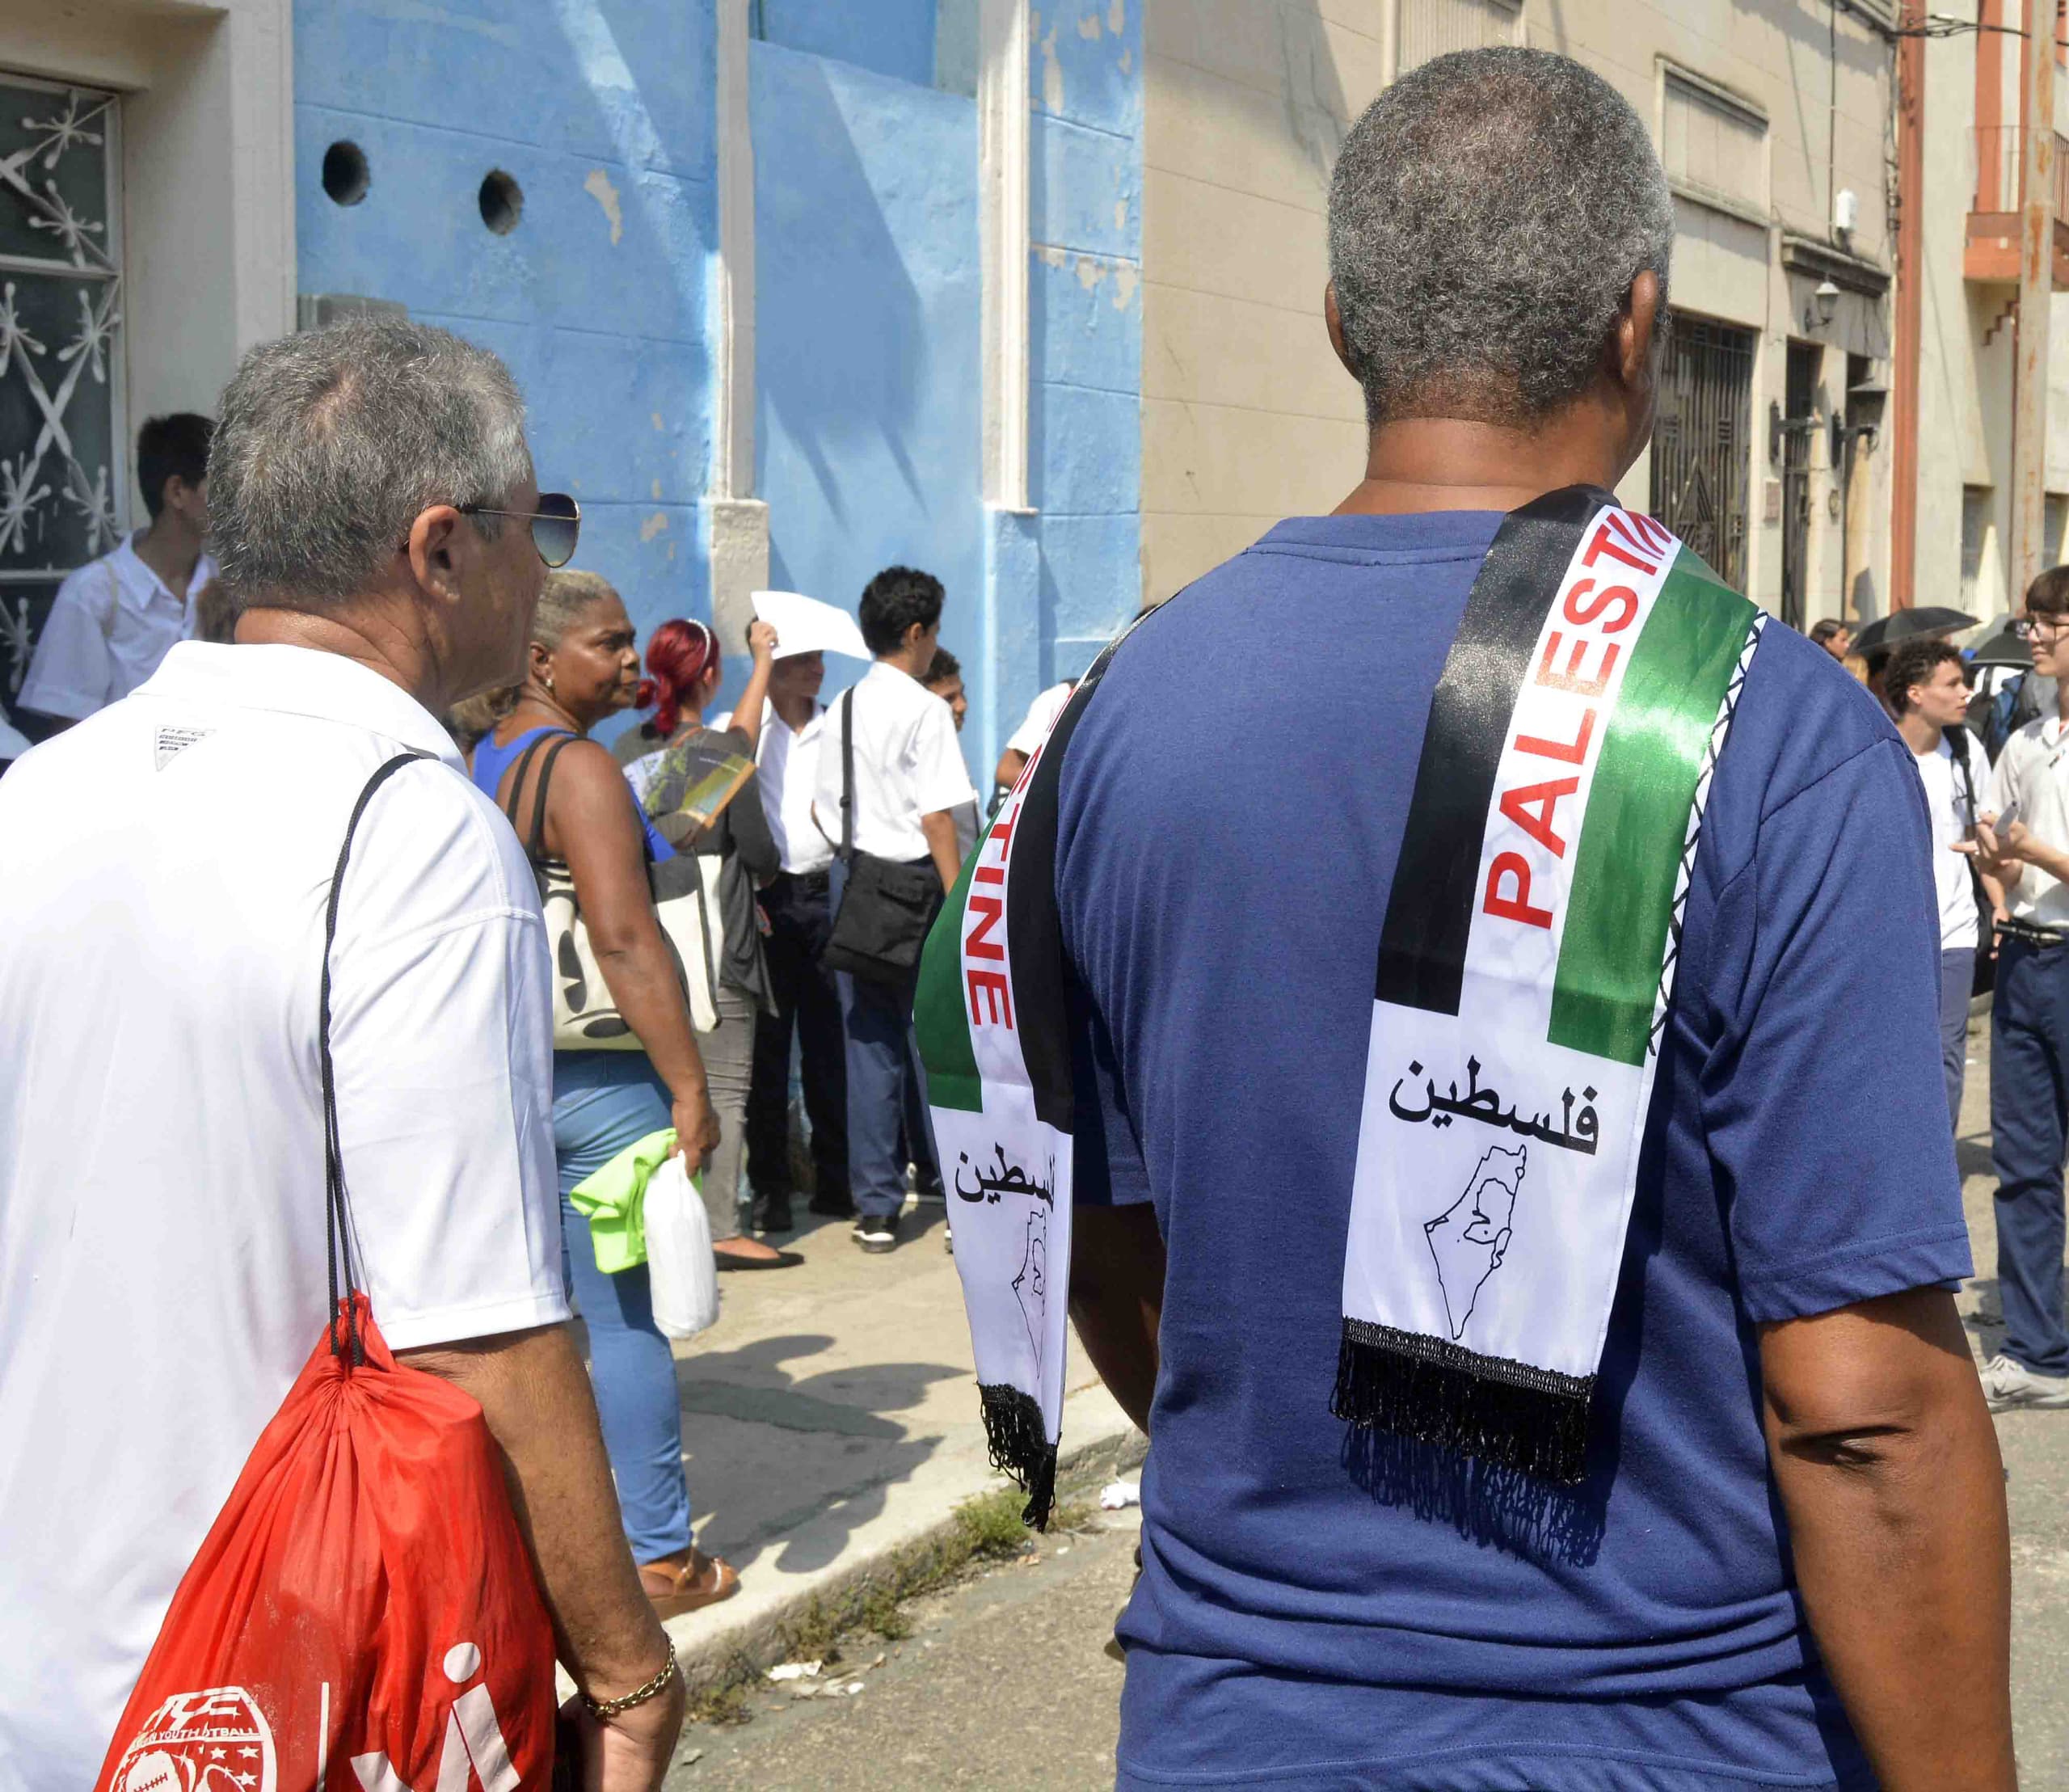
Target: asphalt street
1003, 1683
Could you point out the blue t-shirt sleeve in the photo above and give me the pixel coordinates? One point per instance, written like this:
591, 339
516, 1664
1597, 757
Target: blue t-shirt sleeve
1823, 1100
1106, 1152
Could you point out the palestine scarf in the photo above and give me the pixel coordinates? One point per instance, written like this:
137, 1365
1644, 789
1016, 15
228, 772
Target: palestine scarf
1524, 971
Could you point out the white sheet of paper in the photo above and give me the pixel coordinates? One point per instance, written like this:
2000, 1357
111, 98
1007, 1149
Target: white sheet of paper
804, 625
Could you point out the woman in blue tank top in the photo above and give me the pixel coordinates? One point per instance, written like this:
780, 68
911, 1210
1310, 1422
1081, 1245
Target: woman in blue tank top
583, 667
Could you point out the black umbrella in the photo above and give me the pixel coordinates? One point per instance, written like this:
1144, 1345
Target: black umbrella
1886, 631
2004, 648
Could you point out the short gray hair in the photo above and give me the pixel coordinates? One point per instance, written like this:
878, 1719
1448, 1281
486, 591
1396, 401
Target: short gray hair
1487, 217
329, 443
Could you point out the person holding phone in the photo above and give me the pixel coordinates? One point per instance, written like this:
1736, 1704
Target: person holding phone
2022, 845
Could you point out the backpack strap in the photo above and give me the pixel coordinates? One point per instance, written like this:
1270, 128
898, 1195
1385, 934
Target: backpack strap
848, 775
337, 1217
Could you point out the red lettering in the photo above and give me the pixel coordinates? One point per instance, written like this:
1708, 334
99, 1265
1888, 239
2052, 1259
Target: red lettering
1578, 612
1534, 806
1001, 835
1573, 754
990, 909
1570, 679
1509, 907
1605, 543
993, 984
990, 874
1654, 534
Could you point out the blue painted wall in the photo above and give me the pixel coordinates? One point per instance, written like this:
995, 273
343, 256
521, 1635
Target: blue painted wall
868, 286
602, 112
869, 406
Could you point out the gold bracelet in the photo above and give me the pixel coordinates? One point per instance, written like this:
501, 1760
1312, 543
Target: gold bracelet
639, 1695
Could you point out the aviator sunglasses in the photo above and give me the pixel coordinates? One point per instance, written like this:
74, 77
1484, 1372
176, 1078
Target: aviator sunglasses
556, 524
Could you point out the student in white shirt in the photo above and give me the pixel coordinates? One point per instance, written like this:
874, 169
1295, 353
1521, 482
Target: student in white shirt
2022, 844
1926, 684
797, 903
114, 619
162, 1255
909, 779
1033, 730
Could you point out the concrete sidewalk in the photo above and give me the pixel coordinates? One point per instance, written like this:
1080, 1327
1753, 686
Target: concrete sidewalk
830, 1417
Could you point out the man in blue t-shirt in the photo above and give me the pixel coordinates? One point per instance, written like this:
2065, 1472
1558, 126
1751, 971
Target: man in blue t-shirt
1786, 1561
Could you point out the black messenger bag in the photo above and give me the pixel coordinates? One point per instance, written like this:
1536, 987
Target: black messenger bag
887, 908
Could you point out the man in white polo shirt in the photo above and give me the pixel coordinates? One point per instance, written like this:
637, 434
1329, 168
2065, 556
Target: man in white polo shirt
909, 779
114, 619
163, 1258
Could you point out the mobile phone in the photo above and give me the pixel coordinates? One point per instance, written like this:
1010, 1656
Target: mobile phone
2005, 816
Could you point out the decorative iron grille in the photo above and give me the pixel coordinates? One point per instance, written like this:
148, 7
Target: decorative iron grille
63, 495
1702, 440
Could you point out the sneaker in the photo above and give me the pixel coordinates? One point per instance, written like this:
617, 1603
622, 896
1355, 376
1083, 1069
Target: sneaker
774, 1214
877, 1233
925, 1185
2007, 1384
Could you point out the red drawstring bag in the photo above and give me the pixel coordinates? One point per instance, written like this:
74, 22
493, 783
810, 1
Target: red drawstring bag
363, 1615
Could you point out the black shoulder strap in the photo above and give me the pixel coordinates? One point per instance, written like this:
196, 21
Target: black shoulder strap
337, 1217
847, 773
535, 842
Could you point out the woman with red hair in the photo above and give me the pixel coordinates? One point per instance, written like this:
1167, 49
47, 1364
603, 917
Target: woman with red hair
684, 668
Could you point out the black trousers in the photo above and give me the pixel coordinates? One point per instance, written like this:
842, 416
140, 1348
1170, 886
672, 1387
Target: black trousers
800, 917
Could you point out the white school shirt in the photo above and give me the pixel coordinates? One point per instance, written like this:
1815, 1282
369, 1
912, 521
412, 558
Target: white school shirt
907, 764
111, 624
162, 1273
2033, 771
787, 762
1947, 803
1041, 717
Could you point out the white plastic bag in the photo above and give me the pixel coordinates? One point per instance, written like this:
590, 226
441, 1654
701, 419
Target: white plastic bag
681, 1270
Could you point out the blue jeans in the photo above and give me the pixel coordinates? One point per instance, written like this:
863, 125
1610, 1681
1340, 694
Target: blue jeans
603, 1101
2028, 1107
1956, 983
884, 1085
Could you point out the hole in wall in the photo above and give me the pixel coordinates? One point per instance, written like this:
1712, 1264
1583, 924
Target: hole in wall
346, 176
501, 202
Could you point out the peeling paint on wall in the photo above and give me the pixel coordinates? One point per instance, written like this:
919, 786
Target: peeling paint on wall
653, 525
599, 187
1090, 271
1088, 27
1052, 74
1127, 277
1117, 20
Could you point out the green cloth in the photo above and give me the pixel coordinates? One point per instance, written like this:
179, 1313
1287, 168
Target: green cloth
614, 1201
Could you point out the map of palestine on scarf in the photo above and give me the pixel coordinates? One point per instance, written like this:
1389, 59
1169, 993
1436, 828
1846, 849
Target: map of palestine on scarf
1523, 976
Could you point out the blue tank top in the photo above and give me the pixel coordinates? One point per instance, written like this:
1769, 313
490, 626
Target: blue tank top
491, 761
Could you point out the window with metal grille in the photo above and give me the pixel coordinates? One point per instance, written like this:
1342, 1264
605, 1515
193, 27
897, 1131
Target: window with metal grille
64, 485
1430, 28
1702, 441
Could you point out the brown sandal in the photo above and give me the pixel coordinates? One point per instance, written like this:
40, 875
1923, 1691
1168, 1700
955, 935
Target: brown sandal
703, 1580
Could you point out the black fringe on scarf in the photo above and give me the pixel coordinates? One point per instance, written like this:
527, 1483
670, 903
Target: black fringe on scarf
1021, 1448
1487, 1407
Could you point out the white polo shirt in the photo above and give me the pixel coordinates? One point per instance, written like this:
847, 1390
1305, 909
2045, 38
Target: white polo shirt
907, 764
162, 1273
2034, 772
112, 622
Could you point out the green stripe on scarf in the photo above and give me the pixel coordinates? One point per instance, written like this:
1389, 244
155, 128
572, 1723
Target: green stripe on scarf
1630, 848
940, 1023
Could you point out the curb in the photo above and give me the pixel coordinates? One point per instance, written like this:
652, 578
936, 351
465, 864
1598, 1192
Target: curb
711, 1653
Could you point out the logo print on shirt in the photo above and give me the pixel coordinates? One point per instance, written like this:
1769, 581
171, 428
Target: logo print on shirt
173, 741
212, 1741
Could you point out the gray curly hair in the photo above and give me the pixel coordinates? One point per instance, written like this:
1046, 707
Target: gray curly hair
1487, 217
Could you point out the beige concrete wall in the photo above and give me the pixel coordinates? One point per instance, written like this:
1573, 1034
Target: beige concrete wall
208, 174
1246, 416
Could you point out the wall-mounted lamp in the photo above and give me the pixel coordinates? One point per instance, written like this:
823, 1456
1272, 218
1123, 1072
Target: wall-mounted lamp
1864, 400
1823, 306
1781, 427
